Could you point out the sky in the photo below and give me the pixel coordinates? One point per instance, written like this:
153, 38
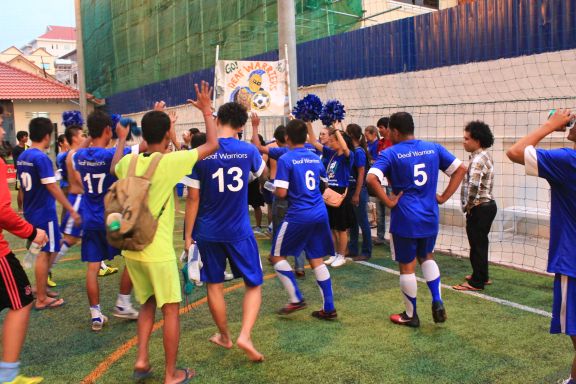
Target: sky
24, 20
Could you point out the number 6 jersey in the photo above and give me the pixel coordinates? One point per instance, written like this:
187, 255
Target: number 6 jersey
93, 164
223, 182
412, 166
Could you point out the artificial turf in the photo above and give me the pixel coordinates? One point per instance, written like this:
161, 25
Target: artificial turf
482, 342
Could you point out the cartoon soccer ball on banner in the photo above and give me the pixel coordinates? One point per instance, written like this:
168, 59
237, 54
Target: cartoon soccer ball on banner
261, 100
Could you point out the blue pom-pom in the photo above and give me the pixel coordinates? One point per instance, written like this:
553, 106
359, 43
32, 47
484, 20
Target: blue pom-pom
308, 108
333, 111
70, 118
115, 119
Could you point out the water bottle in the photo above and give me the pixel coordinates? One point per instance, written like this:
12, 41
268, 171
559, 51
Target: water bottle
114, 221
31, 255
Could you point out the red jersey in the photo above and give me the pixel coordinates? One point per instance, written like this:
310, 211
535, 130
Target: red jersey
9, 220
383, 144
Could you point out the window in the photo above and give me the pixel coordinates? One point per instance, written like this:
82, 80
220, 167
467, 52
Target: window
32, 115
75, 79
422, 3
45, 66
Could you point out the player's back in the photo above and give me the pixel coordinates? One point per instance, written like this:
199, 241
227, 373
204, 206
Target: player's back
61, 167
93, 164
223, 180
35, 169
413, 168
301, 172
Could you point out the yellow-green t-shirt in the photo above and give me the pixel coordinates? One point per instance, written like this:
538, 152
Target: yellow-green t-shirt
171, 169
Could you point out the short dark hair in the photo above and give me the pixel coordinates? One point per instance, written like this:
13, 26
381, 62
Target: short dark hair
198, 139
233, 114
61, 139
383, 122
402, 122
155, 125
70, 132
297, 131
194, 131
97, 122
280, 134
1, 109
480, 131
21, 134
39, 127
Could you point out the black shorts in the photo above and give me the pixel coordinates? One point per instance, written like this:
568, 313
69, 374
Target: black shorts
343, 217
255, 197
15, 289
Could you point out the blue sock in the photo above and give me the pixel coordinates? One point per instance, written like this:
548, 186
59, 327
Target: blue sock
288, 280
325, 284
431, 274
9, 371
409, 287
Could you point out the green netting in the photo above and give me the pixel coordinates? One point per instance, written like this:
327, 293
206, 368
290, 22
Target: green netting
131, 43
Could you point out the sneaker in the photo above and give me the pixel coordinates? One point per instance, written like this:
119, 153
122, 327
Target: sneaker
199, 283
300, 274
362, 258
403, 319
270, 229
567, 381
323, 315
338, 262
292, 307
50, 282
257, 230
106, 272
98, 322
127, 312
378, 241
228, 276
330, 260
21, 379
438, 312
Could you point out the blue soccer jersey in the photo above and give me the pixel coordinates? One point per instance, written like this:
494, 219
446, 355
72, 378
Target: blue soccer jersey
93, 164
62, 170
223, 182
359, 161
338, 167
300, 172
412, 167
558, 167
276, 152
373, 149
35, 170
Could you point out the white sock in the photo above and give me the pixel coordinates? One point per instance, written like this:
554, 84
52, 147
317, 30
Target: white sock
103, 265
63, 251
431, 274
95, 311
288, 280
123, 301
409, 287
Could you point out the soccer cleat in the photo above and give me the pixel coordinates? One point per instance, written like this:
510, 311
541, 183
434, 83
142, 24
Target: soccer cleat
403, 319
323, 315
50, 282
228, 276
107, 271
330, 260
338, 262
438, 312
127, 312
21, 379
292, 307
98, 322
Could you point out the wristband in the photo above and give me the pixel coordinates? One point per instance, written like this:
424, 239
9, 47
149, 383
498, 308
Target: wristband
33, 235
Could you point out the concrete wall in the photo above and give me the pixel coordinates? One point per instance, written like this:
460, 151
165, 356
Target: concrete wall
24, 111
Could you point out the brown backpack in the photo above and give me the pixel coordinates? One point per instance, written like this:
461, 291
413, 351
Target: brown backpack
128, 199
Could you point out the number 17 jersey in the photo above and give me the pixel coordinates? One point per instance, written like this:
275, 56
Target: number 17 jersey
223, 182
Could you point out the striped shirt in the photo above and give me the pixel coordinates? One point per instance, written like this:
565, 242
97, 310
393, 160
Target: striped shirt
479, 180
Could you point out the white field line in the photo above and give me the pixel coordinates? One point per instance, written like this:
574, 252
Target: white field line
470, 293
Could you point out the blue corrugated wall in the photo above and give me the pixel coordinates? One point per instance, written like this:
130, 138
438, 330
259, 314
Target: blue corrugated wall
480, 31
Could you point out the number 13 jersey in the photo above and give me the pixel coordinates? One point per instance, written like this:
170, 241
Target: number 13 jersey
223, 182
412, 167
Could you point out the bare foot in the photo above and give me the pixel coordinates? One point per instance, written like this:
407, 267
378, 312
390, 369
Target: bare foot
182, 375
221, 340
247, 346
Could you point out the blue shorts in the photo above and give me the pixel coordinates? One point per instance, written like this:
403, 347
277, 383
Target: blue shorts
243, 257
405, 249
564, 305
54, 237
95, 247
67, 226
313, 238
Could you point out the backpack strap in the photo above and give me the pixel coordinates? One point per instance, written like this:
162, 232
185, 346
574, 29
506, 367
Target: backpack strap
152, 167
132, 166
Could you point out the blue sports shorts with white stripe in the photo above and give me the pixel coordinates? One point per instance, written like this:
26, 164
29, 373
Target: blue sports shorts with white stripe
564, 305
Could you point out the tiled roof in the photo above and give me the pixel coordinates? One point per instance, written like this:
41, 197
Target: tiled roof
59, 33
16, 84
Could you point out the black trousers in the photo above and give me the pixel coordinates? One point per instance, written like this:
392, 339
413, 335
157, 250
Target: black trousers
478, 224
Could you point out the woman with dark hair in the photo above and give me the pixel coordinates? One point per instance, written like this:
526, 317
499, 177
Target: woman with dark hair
339, 153
478, 202
362, 161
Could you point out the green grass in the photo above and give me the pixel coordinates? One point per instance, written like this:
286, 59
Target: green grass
482, 342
